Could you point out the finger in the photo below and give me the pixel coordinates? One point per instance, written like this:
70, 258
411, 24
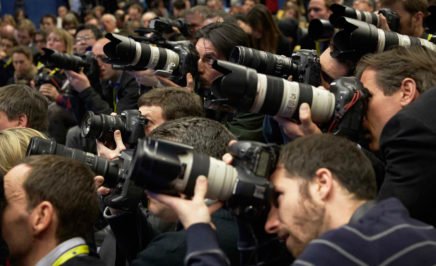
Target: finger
98, 181
103, 191
171, 201
166, 82
190, 83
227, 158
290, 128
305, 115
119, 141
200, 189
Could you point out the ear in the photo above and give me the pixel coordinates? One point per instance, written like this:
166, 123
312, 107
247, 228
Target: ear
409, 91
22, 120
42, 217
323, 182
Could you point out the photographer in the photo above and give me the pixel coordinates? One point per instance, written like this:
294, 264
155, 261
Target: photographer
324, 186
49, 211
119, 92
208, 137
400, 124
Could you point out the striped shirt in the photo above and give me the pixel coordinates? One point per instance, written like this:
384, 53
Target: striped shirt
385, 235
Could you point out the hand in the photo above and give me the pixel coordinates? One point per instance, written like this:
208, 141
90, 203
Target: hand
383, 22
79, 81
101, 190
189, 211
109, 154
145, 77
49, 91
304, 128
190, 83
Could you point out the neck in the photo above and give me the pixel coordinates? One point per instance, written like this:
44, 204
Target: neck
339, 214
39, 249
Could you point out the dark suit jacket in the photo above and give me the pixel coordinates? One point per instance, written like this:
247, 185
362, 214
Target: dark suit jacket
84, 261
408, 145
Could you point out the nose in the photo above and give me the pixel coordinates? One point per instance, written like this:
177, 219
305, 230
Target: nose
272, 223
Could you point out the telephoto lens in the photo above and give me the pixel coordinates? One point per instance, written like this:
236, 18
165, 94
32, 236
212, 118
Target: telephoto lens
303, 66
100, 166
358, 38
172, 168
53, 59
320, 29
126, 52
249, 91
393, 19
130, 122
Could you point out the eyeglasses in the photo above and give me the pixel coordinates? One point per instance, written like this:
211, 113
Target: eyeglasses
83, 38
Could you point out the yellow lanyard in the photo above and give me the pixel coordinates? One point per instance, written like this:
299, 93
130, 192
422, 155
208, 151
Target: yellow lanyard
79, 250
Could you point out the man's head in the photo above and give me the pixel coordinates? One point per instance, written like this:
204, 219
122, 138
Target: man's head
394, 79
106, 70
216, 41
22, 106
204, 135
364, 5
25, 32
134, 12
319, 9
319, 181
86, 36
22, 59
411, 12
163, 104
109, 23
48, 23
49, 199
195, 16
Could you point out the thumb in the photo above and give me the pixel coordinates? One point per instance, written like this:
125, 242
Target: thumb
190, 83
200, 188
119, 140
305, 114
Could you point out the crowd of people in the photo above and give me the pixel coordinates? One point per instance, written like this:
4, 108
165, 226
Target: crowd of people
329, 162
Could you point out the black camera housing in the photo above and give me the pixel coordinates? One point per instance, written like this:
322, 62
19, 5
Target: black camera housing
102, 127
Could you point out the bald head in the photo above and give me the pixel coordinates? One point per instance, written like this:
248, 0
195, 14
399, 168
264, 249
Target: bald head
109, 23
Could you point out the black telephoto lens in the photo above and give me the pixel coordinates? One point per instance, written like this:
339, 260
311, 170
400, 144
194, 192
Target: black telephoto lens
54, 59
96, 126
99, 165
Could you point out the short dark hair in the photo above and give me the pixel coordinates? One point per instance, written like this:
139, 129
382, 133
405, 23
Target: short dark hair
224, 36
49, 16
19, 99
23, 50
411, 6
175, 102
350, 167
96, 31
67, 184
206, 136
393, 66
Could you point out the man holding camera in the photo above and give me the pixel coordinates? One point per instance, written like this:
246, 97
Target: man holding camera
323, 211
49, 210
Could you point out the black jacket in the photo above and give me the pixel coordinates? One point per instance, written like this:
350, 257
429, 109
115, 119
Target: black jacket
408, 145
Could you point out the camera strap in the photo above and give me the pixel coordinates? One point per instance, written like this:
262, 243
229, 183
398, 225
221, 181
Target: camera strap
71, 253
361, 211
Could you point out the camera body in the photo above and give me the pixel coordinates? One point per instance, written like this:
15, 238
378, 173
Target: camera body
165, 25
102, 127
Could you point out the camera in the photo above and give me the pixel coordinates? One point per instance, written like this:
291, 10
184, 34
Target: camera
111, 170
53, 59
320, 29
303, 66
165, 25
102, 127
172, 168
358, 38
175, 62
392, 18
339, 110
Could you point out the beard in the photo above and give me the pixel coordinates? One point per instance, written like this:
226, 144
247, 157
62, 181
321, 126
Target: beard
308, 222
